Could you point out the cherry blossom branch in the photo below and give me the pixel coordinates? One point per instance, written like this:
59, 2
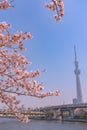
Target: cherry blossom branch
58, 7
38, 95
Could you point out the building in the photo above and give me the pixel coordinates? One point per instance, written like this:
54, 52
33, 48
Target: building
79, 98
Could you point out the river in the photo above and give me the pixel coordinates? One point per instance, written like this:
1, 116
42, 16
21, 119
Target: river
11, 124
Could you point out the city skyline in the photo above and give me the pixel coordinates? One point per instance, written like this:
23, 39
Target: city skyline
52, 46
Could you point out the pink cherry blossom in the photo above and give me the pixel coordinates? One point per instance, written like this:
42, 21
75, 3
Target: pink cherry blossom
15, 79
58, 7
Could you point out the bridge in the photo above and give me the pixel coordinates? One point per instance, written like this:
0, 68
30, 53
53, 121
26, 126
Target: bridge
67, 106
59, 112
63, 111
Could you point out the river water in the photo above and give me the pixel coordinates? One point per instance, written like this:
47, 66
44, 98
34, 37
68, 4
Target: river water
11, 124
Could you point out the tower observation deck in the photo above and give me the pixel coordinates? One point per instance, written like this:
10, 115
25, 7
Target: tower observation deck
79, 98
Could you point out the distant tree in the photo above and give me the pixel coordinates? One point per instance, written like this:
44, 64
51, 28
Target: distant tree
14, 77
80, 111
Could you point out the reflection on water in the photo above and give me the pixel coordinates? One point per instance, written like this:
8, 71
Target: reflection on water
12, 124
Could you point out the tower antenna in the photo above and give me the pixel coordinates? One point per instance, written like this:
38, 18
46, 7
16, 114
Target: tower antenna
75, 53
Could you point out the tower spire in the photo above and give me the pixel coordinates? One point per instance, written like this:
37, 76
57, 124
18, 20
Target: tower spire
78, 83
75, 53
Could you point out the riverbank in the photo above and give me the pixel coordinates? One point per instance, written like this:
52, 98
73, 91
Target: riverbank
75, 120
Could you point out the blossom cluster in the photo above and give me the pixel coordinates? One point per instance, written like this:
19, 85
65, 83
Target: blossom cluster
4, 4
80, 111
10, 40
11, 101
58, 6
15, 79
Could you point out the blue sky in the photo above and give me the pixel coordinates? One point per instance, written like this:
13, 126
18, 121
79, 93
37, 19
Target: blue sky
52, 46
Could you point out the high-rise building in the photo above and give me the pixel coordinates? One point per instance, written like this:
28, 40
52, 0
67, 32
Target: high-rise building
79, 98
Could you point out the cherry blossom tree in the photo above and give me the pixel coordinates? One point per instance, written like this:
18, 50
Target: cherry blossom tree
80, 112
15, 80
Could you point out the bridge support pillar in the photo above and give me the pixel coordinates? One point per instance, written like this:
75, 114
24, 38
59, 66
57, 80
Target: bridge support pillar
65, 114
61, 113
71, 113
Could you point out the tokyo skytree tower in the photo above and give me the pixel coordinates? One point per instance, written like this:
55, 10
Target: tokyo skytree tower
78, 84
